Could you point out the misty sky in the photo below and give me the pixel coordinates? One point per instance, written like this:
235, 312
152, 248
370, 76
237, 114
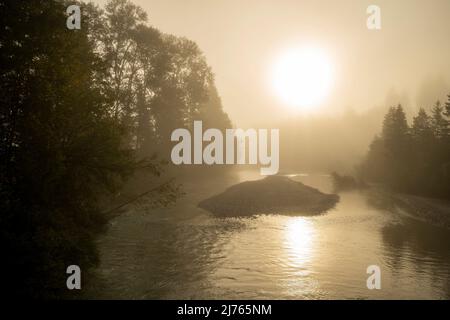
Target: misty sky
407, 61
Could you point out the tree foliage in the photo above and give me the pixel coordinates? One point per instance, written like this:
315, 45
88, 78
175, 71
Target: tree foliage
412, 159
80, 112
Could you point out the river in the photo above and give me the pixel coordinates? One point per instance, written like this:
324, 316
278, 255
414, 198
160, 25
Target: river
183, 252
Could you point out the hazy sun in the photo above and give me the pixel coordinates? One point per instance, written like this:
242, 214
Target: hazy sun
302, 77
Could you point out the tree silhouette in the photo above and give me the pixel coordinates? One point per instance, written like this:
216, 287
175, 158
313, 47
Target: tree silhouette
81, 111
416, 159
439, 123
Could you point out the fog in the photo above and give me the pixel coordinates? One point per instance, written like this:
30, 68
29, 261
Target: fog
224, 149
241, 39
405, 62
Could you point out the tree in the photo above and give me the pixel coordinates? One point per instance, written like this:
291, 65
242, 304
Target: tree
62, 148
396, 138
183, 90
80, 112
212, 113
117, 48
422, 130
439, 123
374, 166
152, 61
413, 160
447, 107
447, 130
423, 144
395, 132
155, 82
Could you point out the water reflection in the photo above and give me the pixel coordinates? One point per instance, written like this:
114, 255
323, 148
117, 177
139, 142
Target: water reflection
184, 252
299, 240
419, 256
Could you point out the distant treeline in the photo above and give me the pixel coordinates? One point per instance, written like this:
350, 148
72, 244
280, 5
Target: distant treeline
412, 158
81, 111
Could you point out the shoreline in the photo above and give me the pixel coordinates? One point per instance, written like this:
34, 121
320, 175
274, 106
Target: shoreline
425, 209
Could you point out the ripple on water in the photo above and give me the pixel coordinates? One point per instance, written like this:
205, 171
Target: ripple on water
270, 256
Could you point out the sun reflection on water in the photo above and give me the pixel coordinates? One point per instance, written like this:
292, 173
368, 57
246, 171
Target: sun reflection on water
299, 240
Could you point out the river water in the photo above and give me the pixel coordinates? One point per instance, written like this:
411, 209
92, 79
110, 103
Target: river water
183, 252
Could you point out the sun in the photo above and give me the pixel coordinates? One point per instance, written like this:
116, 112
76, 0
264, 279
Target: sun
302, 77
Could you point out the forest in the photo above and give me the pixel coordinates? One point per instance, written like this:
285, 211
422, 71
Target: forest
82, 113
412, 158
86, 118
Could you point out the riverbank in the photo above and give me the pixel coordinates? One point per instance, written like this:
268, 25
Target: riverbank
430, 210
